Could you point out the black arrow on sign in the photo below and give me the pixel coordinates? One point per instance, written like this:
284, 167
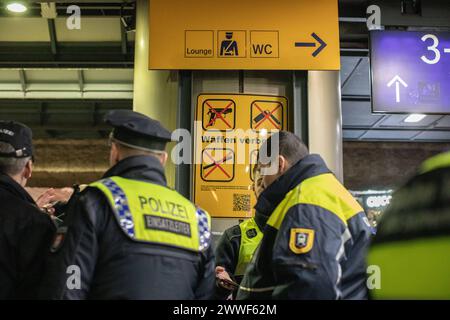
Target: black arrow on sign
313, 44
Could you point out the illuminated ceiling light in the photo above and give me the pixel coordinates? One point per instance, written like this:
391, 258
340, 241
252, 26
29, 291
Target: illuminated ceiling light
16, 7
415, 117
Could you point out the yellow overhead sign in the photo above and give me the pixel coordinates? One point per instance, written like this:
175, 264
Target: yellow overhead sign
250, 34
228, 131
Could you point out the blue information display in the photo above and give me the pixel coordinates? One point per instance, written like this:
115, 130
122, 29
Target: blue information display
410, 71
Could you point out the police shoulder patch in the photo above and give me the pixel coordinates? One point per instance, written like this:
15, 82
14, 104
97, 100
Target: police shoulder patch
301, 240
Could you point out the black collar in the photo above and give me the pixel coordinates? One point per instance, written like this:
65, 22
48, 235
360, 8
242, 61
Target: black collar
310, 166
144, 168
260, 220
10, 185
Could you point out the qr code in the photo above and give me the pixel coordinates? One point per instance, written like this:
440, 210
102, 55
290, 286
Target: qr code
241, 202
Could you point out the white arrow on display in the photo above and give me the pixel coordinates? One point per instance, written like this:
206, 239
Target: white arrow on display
397, 80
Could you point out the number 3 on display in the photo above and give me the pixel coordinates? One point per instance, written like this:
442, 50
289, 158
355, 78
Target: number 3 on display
437, 53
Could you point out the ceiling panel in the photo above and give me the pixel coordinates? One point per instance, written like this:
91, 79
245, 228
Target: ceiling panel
443, 123
359, 82
434, 135
51, 75
358, 114
9, 75
347, 66
353, 134
389, 135
397, 120
24, 29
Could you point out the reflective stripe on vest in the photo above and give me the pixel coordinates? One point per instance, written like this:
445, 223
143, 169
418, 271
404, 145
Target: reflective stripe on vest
323, 191
248, 244
413, 269
152, 213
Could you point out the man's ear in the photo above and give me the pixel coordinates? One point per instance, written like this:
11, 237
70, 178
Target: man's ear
113, 154
28, 170
283, 164
163, 158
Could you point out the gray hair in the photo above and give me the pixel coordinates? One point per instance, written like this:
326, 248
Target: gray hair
9, 165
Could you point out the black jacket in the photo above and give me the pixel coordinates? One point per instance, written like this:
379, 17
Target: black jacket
314, 242
25, 236
111, 265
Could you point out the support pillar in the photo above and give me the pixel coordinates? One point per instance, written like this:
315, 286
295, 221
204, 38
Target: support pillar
325, 118
155, 91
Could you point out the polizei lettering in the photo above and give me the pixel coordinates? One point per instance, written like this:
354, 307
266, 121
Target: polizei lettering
163, 207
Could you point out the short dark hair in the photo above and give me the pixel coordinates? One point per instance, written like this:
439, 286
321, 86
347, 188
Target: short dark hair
10, 165
289, 146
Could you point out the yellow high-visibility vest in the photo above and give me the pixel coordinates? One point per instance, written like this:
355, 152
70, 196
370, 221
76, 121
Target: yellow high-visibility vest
151, 213
251, 236
411, 269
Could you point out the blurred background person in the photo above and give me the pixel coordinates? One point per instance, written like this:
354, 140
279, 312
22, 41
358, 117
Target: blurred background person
409, 258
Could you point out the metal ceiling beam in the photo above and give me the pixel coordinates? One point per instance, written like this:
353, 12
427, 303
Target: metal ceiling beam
69, 54
396, 140
396, 129
123, 38
96, 8
432, 13
52, 33
81, 80
40, 115
353, 52
362, 98
352, 19
352, 8
23, 80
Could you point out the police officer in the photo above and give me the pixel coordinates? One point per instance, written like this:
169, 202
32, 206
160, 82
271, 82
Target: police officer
237, 245
25, 231
314, 242
128, 236
409, 256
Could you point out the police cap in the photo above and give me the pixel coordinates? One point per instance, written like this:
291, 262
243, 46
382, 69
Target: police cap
136, 130
19, 136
